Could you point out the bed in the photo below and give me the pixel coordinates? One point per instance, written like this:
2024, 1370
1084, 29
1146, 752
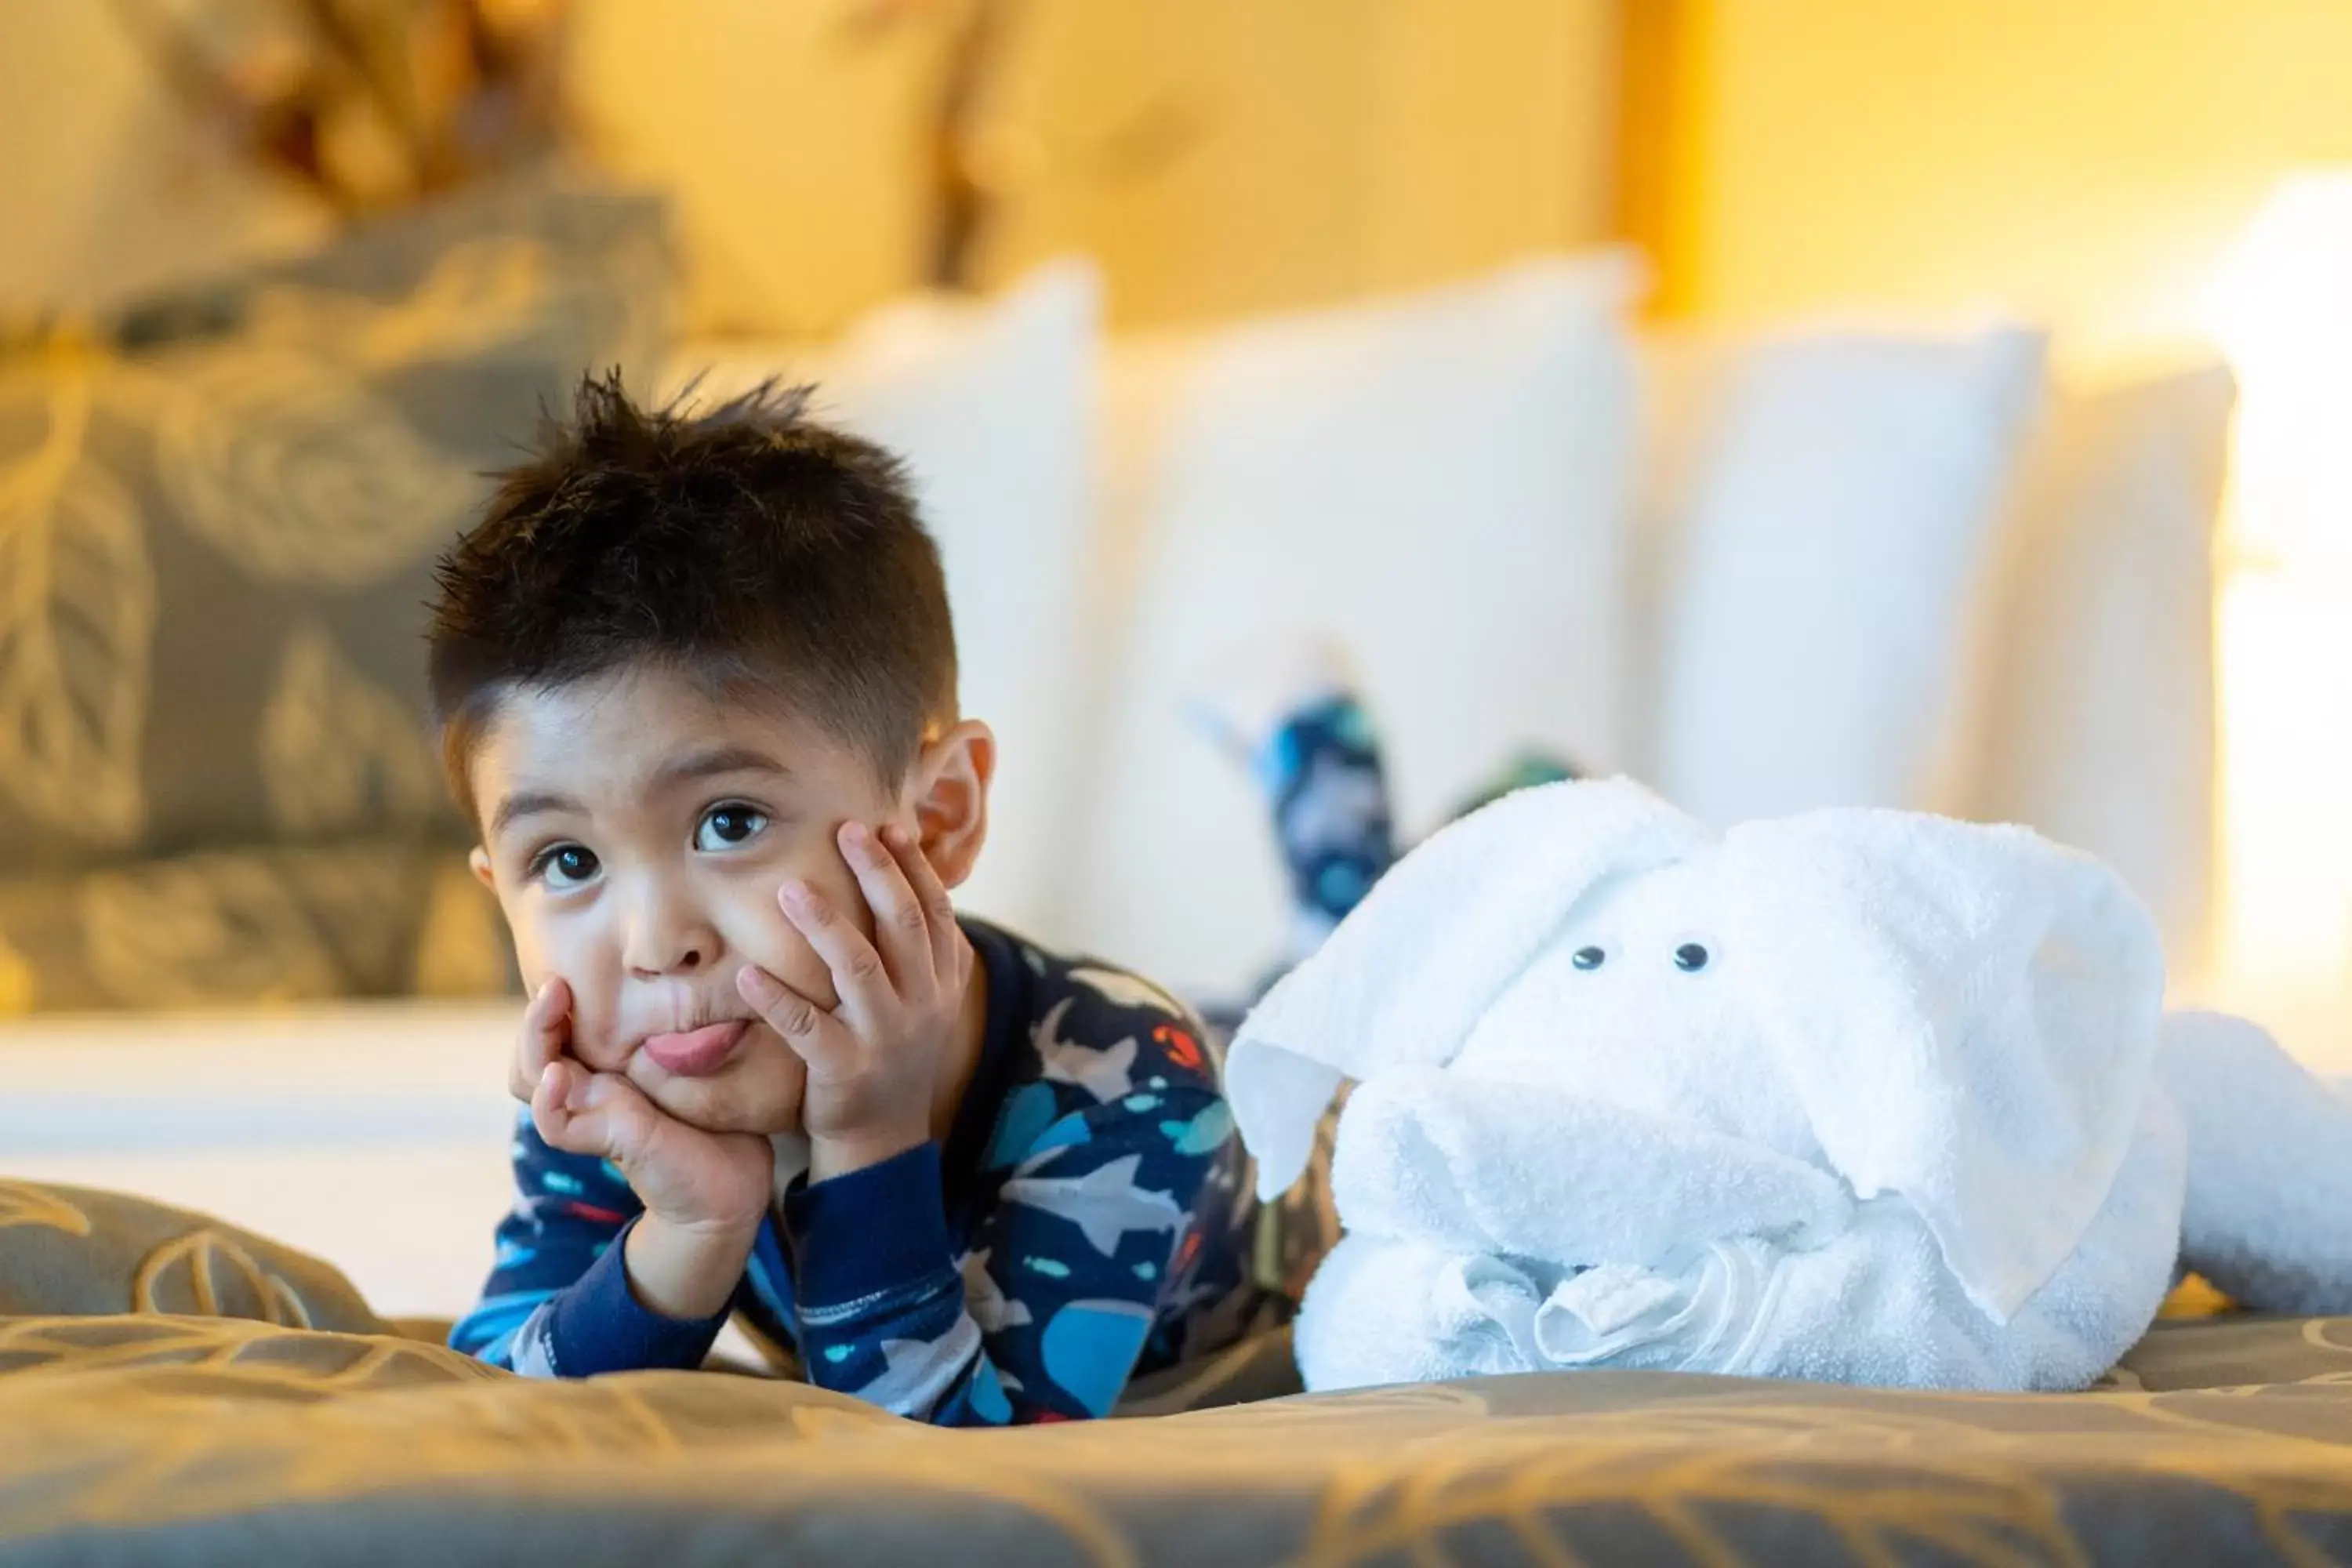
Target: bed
167, 1437
239, 1377
251, 1374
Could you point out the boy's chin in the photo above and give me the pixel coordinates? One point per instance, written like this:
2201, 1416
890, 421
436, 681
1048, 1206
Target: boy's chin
755, 1094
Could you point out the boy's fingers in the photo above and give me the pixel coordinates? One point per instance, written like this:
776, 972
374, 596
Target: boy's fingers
550, 1108
813, 1034
859, 974
931, 894
621, 1119
599, 1114
900, 920
900, 926
546, 1030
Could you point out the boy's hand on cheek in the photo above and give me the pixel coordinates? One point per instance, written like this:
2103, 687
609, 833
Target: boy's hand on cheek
873, 1061
705, 1192
718, 1183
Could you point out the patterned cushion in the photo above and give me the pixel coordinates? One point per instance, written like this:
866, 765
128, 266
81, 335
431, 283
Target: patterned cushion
219, 515
267, 924
77, 1250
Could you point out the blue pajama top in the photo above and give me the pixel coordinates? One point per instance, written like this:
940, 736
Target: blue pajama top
1085, 1221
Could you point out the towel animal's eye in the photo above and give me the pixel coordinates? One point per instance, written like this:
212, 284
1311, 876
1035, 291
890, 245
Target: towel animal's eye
1690, 958
1588, 958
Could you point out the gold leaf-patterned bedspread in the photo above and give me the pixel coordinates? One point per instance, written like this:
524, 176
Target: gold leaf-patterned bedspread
135, 1430
132, 1439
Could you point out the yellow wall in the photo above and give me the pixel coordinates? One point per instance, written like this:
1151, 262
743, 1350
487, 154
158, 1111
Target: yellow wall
2085, 160
789, 145
103, 190
1223, 156
1218, 156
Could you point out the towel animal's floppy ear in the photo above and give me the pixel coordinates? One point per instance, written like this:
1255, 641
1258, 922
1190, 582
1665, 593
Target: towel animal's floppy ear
1968, 1015
1406, 977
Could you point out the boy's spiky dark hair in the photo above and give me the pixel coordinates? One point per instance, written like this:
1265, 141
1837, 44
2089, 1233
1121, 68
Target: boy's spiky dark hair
746, 546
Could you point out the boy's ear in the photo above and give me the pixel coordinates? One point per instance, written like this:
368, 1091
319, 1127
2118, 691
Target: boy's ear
950, 798
479, 859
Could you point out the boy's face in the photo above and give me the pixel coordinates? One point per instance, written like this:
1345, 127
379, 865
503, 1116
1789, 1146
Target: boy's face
636, 829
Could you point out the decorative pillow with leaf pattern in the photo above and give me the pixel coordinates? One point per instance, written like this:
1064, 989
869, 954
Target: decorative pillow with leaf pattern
77, 1250
383, 917
218, 516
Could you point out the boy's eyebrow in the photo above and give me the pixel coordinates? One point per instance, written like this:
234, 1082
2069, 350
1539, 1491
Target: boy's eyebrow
715, 760
528, 803
702, 764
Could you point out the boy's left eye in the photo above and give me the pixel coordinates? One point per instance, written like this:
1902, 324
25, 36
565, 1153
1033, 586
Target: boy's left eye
729, 827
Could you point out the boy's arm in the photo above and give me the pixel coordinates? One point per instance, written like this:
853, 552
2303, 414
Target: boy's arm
557, 1302
1044, 1320
1088, 1224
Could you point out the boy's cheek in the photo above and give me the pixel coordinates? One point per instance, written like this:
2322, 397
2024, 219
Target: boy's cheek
542, 953
770, 940
595, 1040
592, 1026
595, 1030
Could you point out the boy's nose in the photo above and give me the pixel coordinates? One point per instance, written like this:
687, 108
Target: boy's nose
667, 938
676, 957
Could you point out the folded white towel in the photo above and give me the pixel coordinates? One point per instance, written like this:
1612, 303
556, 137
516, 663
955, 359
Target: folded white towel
1822, 1289
1864, 1096
2269, 1216
1539, 1171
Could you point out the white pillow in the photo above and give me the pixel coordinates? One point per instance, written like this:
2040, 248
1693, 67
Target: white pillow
1822, 563
1439, 483
991, 405
2100, 723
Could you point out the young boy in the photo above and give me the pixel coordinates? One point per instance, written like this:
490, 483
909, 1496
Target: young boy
697, 685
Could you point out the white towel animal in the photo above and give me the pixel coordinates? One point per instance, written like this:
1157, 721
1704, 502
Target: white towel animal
1857, 1096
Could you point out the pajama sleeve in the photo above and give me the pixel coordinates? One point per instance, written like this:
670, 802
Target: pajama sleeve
1043, 1318
557, 1302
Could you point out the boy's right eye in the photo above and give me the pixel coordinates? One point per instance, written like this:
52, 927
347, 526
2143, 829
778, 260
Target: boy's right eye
566, 865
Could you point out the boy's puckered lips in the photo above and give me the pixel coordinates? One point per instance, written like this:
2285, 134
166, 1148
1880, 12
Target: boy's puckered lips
696, 1053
